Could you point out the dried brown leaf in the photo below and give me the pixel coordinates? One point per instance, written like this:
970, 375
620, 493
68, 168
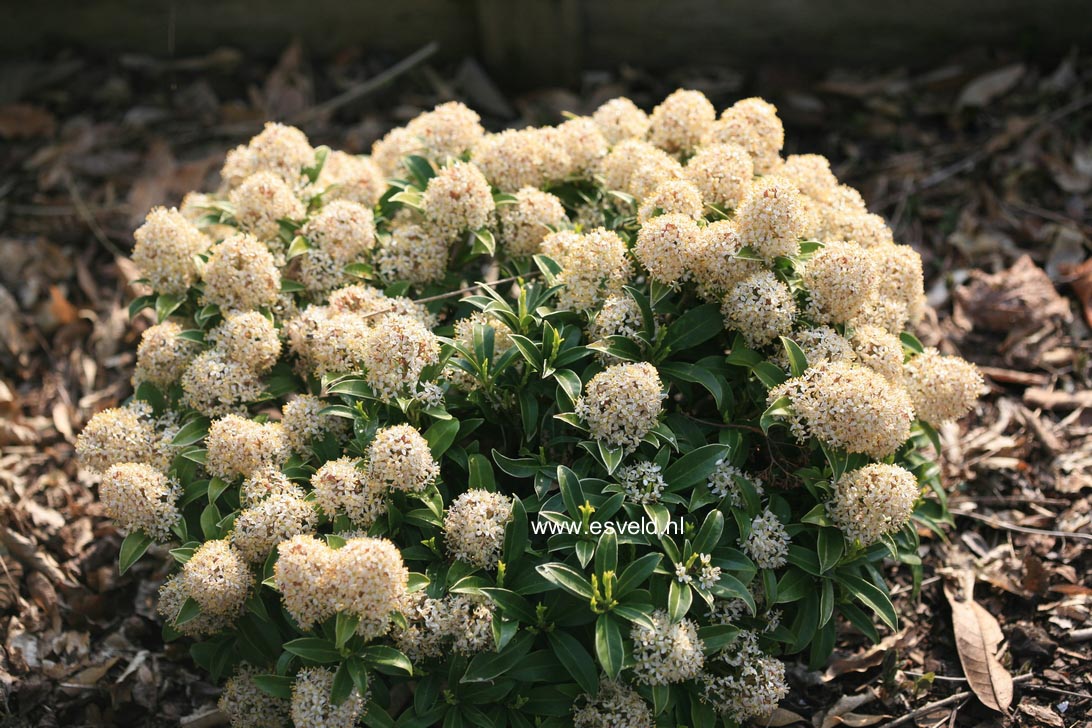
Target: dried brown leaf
780, 718
987, 87
1080, 279
978, 636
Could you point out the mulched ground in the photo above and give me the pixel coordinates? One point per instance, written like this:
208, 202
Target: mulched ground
983, 164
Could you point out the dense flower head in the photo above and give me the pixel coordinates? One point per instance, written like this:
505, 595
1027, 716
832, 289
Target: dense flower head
848, 406
674, 196
304, 575
823, 343
371, 583
768, 542
864, 228
681, 121
271, 520
743, 682
261, 201
352, 178
722, 483
119, 435
772, 218
840, 278
263, 483
340, 486
375, 305
165, 250
173, 595
614, 706
622, 403
642, 482
449, 130
942, 388
399, 459
217, 578
525, 223
901, 284
811, 174
879, 350
518, 158
395, 354
713, 260
248, 706
638, 168
458, 198
247, 338
390, 152
238, 446
667, 652
163, 355
722, 173
474, 527
215, 385
282, 150
410, 252
241, 273
619, 315
754, 125
872, 501
456, 623
327, 341
620, 119
311, 704
342, 229
593, 266
760, 306
661, 243
141, 498
303, 422
583, 142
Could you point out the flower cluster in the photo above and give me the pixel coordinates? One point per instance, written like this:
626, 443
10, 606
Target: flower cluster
534, 420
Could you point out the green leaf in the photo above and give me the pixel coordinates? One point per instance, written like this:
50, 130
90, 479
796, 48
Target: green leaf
910, 343
299, 246
635, 575
344, 628
512, 605
608, 645
387, 660
279, 686
716, 637
773, 414
708, 537
480, 472
189, 611
830, 546
193, 431
572, 655
290, 286
515, 533
679, 599
798, 361
694, 467
696, 374
441, 435
570, 383
567, 578
210, 520
343, 685
132, 548
606, 553
140, 303
871, 596
420, 169
217, 488
314, 649
484, 243
166, 304
612, 457
571, 493
694, 328
312, 172
491, 665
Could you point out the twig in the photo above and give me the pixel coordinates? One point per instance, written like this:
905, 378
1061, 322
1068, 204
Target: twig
363, 89
476, 286
1005, 526
924, 582
950, 700
87, 217
722, 425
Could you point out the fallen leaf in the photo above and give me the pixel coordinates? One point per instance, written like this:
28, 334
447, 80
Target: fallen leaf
845, 706
1080, 280
1019, 297
987, 87
978, 636
25, 121
780, 718
1042, 715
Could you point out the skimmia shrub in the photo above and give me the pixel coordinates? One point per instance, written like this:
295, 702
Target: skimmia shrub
592, 425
